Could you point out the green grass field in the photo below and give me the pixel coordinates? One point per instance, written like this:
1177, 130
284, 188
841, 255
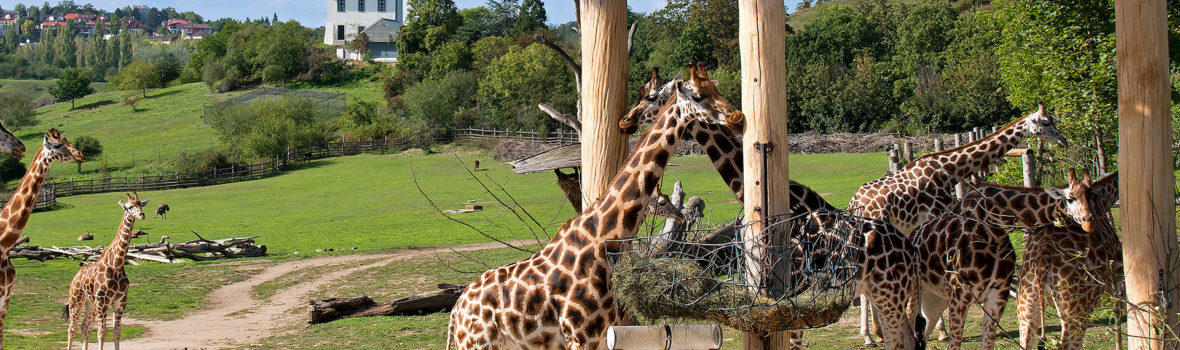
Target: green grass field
39, 89
148, 139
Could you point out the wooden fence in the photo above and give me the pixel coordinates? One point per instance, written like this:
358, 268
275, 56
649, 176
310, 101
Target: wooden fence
45, 199
560, 136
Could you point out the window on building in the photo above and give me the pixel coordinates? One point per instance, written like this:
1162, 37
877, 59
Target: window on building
360, 5
340, 32
339, 5
360, 29
380, 5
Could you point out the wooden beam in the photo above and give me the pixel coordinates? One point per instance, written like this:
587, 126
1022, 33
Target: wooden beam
1147, 184
761, 36
604, 93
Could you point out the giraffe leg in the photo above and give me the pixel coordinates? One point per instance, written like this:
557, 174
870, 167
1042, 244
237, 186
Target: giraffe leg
865, 309
994, 303
1028, 308
795, 340
102, 329
3, 315
77, 310
941, 325
117, 318
957, 317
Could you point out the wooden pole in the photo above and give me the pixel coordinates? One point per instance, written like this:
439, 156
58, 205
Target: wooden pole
761, 36
604, 93
1147, 184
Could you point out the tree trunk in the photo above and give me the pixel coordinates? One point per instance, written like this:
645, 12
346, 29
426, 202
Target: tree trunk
604, 93
761, 39
1147, 184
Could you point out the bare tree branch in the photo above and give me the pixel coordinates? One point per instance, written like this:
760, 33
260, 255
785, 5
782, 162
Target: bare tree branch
566, 119
577, 68
414, 176
631, 36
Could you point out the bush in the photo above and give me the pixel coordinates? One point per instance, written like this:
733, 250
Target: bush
207, 161
16, 109
437, 100
11, 168
362, 112
266, 128
89, 146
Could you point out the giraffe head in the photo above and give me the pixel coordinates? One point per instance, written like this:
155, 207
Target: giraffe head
1041, 124
133, 206
652, 96
663, 207
1076, 197
10, 144
698, 100
56, 147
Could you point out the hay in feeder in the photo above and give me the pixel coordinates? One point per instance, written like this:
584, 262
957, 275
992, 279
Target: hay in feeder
654, 285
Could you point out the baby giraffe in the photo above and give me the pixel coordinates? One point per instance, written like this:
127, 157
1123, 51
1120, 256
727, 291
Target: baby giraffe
102, 285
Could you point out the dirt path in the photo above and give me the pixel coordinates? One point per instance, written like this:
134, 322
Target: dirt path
232, 317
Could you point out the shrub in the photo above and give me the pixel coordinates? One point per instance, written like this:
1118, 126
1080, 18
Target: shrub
437, 100
362, 112
207, 161
266, 128
16, 109
89, 146
11, 168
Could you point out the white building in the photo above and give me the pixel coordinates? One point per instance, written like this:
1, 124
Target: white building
380, 20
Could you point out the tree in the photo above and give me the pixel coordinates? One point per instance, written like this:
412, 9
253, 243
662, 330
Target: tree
89, 146
437, 100
71, 85
513, 84
16, 109
359, 44
531, 16
694, 46
428, 24
503, 16
139, 75
275, 19
11, 168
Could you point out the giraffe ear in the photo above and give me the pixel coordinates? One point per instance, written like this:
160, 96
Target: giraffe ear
143, 203
1055, 193
655, 73
121, 205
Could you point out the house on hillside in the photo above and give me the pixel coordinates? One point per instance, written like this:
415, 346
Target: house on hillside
82, 17
380, 20
196, 31
166, 39
46, 25
131, 25
175, 24
9, 20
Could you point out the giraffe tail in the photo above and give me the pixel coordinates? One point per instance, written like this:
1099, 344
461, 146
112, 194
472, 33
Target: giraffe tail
65, 312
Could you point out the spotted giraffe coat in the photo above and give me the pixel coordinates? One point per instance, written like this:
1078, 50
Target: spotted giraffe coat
1075, 268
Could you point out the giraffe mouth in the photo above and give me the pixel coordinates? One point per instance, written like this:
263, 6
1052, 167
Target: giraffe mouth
736, 121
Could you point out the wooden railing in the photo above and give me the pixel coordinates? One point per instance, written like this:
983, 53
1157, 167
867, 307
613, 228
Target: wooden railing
559, 136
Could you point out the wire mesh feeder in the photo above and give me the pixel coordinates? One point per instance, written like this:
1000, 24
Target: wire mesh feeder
682, 275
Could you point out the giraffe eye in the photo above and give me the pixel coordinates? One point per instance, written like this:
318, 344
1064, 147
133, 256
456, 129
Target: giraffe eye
651, 98
697, 98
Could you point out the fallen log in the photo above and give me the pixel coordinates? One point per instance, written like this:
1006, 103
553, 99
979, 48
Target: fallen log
338, 308
162, 251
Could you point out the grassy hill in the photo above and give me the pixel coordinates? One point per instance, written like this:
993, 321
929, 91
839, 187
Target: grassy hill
39, 89
148, 139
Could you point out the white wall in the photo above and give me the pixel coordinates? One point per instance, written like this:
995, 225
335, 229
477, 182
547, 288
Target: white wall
352, 19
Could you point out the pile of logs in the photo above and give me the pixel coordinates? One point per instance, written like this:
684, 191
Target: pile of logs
162, 251
337, 308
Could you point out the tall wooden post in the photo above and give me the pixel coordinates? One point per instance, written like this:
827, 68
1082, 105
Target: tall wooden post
1146, 184
761, 35
604, 93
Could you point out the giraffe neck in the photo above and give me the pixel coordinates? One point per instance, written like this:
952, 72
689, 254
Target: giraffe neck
619, 211
16, 213
723, 151
116, 254
1030, 206
965, 160
1104, 193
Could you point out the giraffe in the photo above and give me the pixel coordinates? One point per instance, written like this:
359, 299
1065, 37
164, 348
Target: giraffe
14, 216
968, 257
890, 249
923, 188
1076, 268
101, 286
561, 296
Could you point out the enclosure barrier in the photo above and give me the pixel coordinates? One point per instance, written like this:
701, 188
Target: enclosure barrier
673, 337
679, 275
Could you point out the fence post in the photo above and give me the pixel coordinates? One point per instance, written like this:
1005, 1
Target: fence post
908, 149
959, 184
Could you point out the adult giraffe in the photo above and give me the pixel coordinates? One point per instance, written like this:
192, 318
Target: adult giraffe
14, 216
561, 296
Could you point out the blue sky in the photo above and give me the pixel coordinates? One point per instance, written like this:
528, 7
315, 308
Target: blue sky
311, 12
